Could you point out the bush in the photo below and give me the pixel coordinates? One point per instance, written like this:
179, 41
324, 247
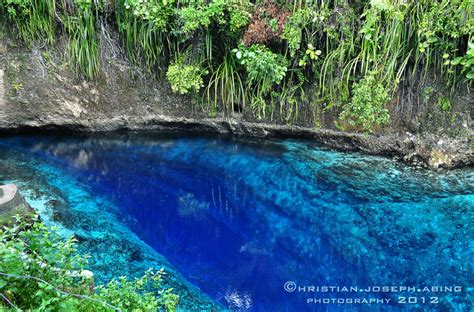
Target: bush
367, 107
41, 271
184, 78
263, 67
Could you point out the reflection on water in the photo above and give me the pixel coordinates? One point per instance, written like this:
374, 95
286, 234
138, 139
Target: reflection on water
240, 218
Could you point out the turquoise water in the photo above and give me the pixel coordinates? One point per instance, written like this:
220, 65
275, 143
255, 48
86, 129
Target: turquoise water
256, 226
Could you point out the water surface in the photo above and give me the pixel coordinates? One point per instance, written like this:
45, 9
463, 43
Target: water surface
240, 218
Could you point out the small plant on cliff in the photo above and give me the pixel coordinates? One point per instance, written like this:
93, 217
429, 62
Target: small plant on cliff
42, 272
444, 103
184, 78
265, 69
33, 19
367, 107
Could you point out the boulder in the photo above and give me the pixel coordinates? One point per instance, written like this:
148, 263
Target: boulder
11, 203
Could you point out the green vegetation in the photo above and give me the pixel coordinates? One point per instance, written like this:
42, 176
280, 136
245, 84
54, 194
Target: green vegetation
83, 45
444, 103
261, 55
42, 272
184, 78
367, 107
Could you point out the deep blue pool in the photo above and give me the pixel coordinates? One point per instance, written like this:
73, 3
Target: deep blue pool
240, 218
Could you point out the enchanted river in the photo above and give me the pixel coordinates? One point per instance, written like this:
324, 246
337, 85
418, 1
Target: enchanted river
255, 225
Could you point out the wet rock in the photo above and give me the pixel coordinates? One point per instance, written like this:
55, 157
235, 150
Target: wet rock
11, 203
10, 198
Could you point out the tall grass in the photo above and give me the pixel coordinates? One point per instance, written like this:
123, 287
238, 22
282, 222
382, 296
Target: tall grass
83, 44
34, 19
227, 87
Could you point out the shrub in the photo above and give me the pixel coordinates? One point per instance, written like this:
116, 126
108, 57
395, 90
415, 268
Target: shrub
157, 13
266, 25
367, 107
41, 271
264, 69
261, 65
184, 78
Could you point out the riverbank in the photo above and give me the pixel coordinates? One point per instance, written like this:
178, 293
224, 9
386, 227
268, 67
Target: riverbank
39, 92
420, 150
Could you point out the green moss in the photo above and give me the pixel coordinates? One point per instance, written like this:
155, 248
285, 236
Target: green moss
444, 103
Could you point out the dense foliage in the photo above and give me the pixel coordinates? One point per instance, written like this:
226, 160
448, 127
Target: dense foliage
42, 272
259, 55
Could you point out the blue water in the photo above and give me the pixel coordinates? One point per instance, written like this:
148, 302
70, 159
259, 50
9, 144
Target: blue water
240, 218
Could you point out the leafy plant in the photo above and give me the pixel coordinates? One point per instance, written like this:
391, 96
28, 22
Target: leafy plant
443, 28
261, 64
293, 29
184, 78
202, 15
239, 17
311, 54
466, 62
156, 12
42, 272
367, 107
264, 69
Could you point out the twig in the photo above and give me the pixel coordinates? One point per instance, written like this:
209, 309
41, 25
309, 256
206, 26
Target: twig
8, 301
